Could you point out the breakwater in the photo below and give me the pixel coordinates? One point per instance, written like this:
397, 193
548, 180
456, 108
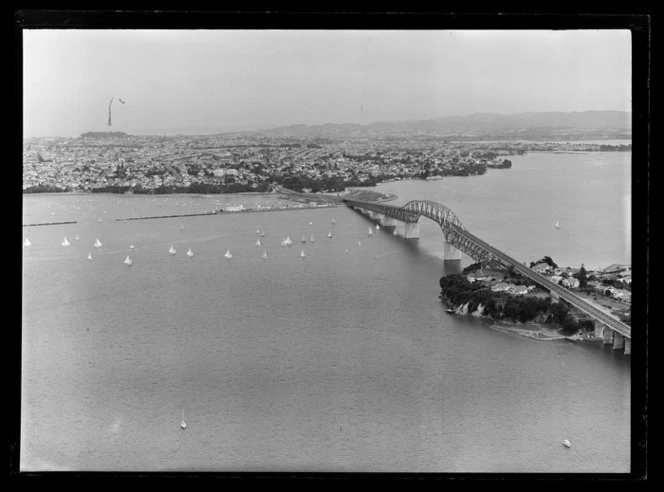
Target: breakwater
49, 223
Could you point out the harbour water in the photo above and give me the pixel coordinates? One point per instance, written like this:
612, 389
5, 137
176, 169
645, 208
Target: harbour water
343, 361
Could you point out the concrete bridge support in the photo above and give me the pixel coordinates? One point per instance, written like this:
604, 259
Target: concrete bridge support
607, 336
599, 329
618, 341
450, 253
628, 346
411, 230
386, 221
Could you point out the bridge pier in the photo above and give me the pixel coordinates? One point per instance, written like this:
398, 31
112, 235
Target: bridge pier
411, 230
599, 329
386, 221
450, 253
628, 346
607, 336
618, 341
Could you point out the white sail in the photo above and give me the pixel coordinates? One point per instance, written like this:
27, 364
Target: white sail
97, 243
89, 256
65, 242
99, 220
377, 227
257, 231
333, 221
557, 225
311, 223
262, 234
128, 260
302, 254
27, 242
329, 234
172, 250
131, 246
76, 238
265, 254
228, 254
370, 231
258, 242
359, 243
190, 253
312, 238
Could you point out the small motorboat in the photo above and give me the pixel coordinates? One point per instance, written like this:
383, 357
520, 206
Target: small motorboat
566, 443
183, 424
450, 311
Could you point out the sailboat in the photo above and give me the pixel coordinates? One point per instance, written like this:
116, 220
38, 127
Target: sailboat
27, 242
288, 241
262, 234
97, 243
265, 254
312, 238
89, 256
228, 254
190, 253
346, 251
172, 250
329, 234
181, 227
128, 260
131, 246
359, 243
370, 231
377, 227
65, 242
311, 223
258, 242
76, 238
557, 225
100, 220
302, 255
394, 232
257, 231
183, 424
333, 221
304, 239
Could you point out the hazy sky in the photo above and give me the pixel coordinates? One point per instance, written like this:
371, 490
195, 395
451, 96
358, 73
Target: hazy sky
204, 81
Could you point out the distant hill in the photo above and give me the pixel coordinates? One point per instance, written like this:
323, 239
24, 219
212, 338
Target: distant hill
104, 135
546, 125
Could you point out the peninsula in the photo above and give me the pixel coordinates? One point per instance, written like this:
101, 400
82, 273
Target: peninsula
520, 306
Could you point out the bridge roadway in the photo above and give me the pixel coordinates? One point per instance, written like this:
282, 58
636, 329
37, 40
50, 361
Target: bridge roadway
561, 291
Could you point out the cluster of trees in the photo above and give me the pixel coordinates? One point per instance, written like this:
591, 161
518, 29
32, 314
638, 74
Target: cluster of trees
458, 290
547, 260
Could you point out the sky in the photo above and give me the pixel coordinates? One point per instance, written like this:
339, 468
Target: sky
210, 81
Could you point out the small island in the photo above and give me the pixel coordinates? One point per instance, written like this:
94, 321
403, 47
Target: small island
520, 306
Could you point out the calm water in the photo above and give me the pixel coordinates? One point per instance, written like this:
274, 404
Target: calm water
341, 361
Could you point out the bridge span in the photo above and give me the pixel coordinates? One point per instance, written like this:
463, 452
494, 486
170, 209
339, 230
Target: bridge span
459, 239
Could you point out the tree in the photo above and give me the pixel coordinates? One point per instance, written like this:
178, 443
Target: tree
582, 276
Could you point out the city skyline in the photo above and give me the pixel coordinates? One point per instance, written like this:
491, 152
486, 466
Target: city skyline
211, 81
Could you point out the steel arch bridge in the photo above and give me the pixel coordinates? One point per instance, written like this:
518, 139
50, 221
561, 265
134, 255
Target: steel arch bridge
462, 239
454, 231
